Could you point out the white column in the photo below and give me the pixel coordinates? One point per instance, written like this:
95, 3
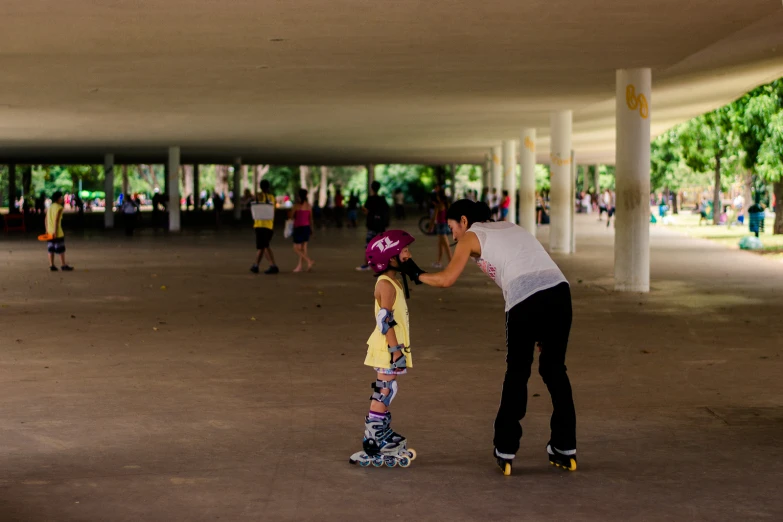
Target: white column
527, 181
237, 188
560, 194
632, 172
108, 188
497, 170
597, 181
173, 189
510, 177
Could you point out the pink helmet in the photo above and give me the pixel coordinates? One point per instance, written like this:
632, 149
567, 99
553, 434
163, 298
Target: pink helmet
384, 247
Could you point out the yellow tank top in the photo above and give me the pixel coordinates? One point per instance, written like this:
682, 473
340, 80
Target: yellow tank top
378, 355
51, 215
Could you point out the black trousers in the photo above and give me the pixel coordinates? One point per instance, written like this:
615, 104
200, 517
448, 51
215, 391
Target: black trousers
543, 318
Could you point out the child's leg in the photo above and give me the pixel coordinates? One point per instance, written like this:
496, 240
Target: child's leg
384, 390
62, 260
51, 258
259, 255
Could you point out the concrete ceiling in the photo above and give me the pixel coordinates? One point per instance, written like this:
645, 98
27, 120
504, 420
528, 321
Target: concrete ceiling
357, 81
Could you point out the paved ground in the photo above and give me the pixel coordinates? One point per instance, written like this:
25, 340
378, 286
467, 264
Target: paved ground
229, 396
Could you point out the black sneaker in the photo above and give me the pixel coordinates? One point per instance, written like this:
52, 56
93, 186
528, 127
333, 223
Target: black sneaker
272, 270
53, 268
254, 269
66, 268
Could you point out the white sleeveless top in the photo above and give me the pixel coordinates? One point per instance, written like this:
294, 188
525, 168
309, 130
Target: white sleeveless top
515, 260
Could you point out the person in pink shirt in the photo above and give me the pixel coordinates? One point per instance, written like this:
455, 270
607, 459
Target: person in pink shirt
302, 214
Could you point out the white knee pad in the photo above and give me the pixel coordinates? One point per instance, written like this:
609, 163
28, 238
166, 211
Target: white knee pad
377, 388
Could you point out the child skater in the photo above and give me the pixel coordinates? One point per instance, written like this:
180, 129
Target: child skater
388, 350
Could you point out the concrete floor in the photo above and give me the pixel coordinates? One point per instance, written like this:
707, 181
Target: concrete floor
229, 396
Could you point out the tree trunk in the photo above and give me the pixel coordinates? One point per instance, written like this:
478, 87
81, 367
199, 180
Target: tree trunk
188, 182
244, 178
716, 204
125, 179
586, 179
777, 228
304, 182
747, 192
322, 194
258, 174
155, 184
27, 181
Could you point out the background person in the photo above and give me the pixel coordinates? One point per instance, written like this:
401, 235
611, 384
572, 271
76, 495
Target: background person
439, 224
264, 230
302, 214
54, 227
377, 210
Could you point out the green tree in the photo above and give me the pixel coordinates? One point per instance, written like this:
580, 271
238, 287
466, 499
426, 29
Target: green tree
708, 144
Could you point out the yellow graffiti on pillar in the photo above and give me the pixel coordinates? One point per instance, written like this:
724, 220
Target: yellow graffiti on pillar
495, 159
530, 144
636, 102
557, 160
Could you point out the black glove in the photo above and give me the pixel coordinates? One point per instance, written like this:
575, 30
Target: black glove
412, 270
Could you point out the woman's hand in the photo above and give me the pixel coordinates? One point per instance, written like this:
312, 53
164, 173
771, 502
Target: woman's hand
467, 246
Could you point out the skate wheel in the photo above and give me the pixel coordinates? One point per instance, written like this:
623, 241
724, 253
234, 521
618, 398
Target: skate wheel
377, 462
507, 469
412, 454
364, 463
390, 462
572, 466
405, 462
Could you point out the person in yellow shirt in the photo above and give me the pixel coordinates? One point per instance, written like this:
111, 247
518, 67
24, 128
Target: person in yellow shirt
264, 230
388, 350
54, 227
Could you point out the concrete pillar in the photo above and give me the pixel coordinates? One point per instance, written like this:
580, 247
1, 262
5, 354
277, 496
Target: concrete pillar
172, 182
237, 188
510, 177
632, 181
497, 170
108, 188
527, 181
255, 181
597, 180
196, 189
11, 187
561, 196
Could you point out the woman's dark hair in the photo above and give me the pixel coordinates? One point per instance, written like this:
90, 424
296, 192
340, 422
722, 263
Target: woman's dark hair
264, 185
302, 195
505, 192
475, 212
56, 196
